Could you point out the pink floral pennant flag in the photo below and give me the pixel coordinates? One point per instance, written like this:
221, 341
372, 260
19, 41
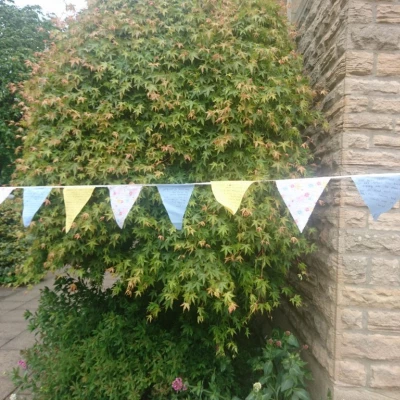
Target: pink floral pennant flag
300, 196
122, 200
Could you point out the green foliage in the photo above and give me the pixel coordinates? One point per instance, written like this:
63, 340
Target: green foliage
23, 31
163, 92
97, 346
170, 92
14, 246
283, 371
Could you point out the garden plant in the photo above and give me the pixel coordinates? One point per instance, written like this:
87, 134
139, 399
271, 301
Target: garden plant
164, 92
23, 33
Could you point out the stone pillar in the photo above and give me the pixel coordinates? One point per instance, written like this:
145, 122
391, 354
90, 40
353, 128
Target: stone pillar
351, 311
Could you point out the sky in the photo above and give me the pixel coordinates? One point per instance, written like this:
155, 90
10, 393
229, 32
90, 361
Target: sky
52, 6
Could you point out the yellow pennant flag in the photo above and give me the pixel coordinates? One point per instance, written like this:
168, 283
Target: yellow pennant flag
75, 199
230, 193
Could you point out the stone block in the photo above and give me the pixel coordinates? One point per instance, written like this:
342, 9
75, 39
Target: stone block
374, 297
385, 376
388, 13
354, 269
384, 321
374, 37
385, 272
360, 12
382, 243
388, 64
386, 141
364, 86
356, 140
352, 373
354, 218
384, 106
351, 319
371, 347
355, 104
375, 158
368, 121
386, 222
359, 63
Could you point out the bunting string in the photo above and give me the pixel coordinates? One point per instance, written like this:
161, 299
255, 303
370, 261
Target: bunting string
380, 193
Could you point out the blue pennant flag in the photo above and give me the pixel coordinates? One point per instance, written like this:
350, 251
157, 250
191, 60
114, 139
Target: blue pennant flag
175, 199
33, 199
380, 194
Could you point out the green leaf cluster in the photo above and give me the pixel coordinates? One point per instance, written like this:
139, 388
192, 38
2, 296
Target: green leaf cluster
284, 375
14, 246
97, 346
22, 34
172, 92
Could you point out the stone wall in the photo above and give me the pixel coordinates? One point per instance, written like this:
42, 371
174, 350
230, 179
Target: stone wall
351, 312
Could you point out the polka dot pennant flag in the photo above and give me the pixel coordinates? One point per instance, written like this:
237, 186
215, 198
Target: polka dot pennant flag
122, 200
300, 197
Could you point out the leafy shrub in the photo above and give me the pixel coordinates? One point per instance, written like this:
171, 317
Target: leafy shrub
93, 345
283, 371
169, 92
14, 246
97, 346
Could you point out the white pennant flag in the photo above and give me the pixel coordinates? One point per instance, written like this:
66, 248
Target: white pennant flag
300, 197
33, 199
5, 192
176, 199
122, 200
380, 193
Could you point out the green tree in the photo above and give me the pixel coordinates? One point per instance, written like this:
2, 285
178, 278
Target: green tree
155, 91
22, 34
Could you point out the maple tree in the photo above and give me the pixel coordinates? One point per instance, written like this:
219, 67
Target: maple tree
172, 92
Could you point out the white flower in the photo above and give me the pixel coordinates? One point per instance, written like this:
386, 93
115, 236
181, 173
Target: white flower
257, 387
13, 397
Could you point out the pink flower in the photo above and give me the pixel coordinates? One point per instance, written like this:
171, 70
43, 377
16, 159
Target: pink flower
178, 385
23, 364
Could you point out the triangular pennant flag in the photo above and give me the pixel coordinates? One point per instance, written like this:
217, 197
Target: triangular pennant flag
75, 199
380, 194
5, 192
175, 199
33, 199
122, 200
300, 196
230, 193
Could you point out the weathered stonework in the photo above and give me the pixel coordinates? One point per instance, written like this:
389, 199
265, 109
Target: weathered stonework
351, 312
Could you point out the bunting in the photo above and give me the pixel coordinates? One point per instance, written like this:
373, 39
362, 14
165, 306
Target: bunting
175, 199
122, 200
75, 199
33, 198
230, 193
300, 197
380, 194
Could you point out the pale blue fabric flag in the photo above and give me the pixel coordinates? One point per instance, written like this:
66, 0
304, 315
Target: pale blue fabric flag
33, 199
5, 192
380, 194
175, 199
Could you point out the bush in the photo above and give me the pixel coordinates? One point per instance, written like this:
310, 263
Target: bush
93, 345
171, 92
